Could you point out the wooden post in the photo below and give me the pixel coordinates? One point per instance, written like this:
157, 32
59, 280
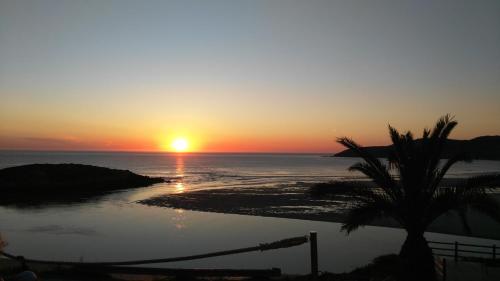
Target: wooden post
494, 251
456, 251
313, 241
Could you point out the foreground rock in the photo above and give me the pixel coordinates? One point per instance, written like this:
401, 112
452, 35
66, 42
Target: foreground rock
41, 183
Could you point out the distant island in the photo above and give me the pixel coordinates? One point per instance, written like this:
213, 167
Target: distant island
481, 148
57, 183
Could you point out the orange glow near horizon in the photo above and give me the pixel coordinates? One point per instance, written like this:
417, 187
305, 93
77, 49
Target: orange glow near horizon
187, 136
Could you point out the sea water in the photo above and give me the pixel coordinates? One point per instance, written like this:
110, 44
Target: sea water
115, 227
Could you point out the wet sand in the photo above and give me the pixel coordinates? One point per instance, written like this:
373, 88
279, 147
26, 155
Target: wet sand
271, 202
296, 202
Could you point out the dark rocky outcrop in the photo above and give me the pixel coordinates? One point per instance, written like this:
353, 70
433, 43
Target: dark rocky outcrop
42, 183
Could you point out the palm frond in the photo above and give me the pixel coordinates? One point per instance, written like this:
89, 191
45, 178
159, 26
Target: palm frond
364, 213
361, 152
372, 167
460, 199
383, 180
370, 204
437, 140
436, 177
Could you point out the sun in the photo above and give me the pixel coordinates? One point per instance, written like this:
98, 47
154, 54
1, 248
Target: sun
180, 145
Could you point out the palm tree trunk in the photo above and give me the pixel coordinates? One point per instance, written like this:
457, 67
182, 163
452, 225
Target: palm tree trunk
417, 261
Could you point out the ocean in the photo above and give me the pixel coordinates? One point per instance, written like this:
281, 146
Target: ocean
116, 227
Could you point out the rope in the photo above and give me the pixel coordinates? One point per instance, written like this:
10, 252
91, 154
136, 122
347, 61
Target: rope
284, 243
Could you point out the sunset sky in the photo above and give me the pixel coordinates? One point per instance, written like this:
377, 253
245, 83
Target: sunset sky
246, 76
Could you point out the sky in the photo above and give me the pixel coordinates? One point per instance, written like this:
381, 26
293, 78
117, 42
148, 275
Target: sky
243, 76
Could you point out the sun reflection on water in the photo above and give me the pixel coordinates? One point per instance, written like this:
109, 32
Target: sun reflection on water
179, 219
179, 187
179, 174
179, 166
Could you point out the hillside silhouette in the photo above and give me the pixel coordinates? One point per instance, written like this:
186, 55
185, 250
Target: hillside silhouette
480, 148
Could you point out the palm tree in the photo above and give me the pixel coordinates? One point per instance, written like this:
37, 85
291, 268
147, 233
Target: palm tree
409, 191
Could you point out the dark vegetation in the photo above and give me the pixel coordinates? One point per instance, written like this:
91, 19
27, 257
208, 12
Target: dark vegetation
35, 184
485, 147
409, 191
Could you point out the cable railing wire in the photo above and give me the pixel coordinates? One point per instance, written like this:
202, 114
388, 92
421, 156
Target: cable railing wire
284, 243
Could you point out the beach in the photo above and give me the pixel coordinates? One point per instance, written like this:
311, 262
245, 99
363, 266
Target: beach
296, 202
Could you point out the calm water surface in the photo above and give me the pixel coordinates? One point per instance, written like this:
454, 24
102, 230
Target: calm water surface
114, 227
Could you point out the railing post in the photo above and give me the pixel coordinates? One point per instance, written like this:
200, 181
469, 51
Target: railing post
313, 241
494, 251
456, 251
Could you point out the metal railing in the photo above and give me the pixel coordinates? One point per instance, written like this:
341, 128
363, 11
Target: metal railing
458, 250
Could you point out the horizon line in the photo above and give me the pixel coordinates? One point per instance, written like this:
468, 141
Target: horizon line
165, 152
